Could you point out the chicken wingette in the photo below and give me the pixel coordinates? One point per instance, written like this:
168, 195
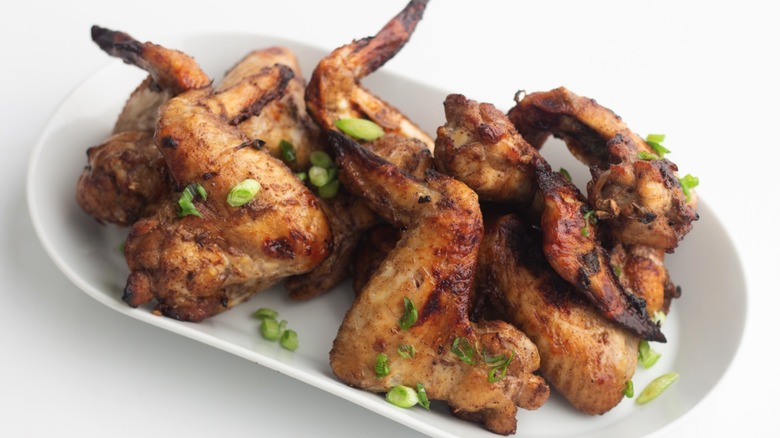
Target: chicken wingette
419, 297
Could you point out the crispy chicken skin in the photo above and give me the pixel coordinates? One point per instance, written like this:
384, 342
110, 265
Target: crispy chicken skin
575, 254
640, 199
587, 358
126, 177
195, 267
285, 119
334, 91
433, 266
642, 271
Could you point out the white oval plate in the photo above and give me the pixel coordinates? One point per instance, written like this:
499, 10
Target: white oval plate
704, 327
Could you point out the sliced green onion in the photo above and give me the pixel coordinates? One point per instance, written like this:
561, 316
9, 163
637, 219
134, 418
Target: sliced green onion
423, 397
329, 190
301, 176
647, 356
498, 372
381, 367
333, 173
321, 159
288, 150
629, 389
410, 315
406, 351
289, 340
272, 329
565, 174
656, 387
265, 312
360, 129
243, 192
186, 206
589, 219
402, 396
617, 271
687, 183
656, 138
463, 350
644, 155
318, 176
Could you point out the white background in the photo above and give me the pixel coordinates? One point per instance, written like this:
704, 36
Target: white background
703, 73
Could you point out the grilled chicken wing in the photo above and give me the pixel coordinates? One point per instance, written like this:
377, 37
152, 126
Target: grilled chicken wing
334, 92
571, 243
433, 267
125, 176
641, 199
587, 358
199, 265
642, 271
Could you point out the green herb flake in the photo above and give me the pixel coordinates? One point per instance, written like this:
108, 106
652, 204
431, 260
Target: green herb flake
410, 315
289, 340
243, 192
287, 150
589, 219
648, 156
647, 356
656, 387
381, 367
402, 396
654, 141
565, 174
186, 200
423, 397
406, 351
500, 367
629, 389
687, 183
265, 312
463, 350
360, 129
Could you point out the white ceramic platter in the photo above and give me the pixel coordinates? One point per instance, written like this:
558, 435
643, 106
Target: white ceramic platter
704, 328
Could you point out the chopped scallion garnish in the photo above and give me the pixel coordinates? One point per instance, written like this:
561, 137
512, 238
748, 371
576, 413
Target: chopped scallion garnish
423, 397
656, 387
272, 329
265, 312
658, 317
500, 367
406, 351
360, 129
629, 389
329, 190
687, 183
402, 396
287, 150
410, 315
589, 219
654, 141
463, 350
649, 156
647, 356
302, 176
243, 192
186, 204
381, 367
289, 340
565, 174
318, 176
321, 159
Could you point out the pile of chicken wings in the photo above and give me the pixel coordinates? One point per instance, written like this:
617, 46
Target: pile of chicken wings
497, 273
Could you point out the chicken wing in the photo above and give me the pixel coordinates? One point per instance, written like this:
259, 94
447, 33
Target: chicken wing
570, 239
334, 92
587, 358
125, 176
633, 189
431, 269
200, 264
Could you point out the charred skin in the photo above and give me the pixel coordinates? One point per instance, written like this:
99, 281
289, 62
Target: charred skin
433, 265
587, 358
334, 91
195, 267
640, 200
573, 250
